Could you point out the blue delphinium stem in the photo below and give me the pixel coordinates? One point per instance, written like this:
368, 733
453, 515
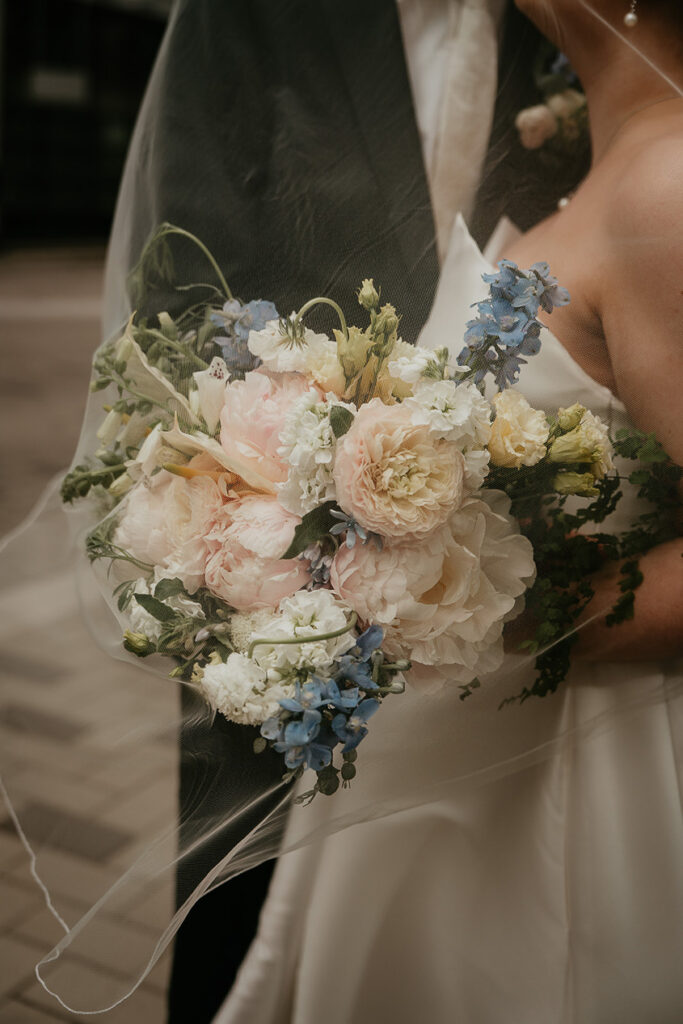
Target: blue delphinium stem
507, 328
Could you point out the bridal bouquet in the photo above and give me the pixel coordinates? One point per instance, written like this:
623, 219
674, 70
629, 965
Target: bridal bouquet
302, 522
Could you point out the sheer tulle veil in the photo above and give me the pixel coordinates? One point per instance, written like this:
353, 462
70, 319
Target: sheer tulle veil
301, 177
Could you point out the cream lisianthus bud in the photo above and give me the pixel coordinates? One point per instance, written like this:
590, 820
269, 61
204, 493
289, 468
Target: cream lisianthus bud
582, 484
569, 418
368, 296
138, 643
588, 442
518, 433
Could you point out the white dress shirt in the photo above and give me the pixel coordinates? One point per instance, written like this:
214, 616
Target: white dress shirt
451, 49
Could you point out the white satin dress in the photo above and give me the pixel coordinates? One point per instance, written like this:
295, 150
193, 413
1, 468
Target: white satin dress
547, 892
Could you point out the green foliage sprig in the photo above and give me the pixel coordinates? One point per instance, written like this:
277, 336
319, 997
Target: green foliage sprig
567, 559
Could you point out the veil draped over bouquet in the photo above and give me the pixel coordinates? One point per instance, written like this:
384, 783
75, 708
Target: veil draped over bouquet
289, 154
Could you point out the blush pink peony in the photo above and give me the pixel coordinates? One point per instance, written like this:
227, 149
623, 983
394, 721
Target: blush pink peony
245, 565
166, 521
443, 600
253, 415
393, 476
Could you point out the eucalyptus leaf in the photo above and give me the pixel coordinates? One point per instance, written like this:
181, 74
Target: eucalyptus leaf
340, 420
314, 525
155, 608
168, 588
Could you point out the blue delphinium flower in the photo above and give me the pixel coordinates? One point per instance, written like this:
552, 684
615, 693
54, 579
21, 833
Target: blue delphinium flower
297, 742
506, 328
310, 696
345, 699
237, 320
352, 729
353, 530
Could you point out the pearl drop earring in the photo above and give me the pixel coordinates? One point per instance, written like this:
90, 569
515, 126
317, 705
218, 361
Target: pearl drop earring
631, 18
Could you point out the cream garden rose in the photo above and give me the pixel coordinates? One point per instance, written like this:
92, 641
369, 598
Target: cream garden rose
393, 476
518, 433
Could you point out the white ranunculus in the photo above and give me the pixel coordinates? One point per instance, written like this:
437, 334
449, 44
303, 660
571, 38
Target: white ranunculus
518, 433
305, 614
535, 126
240, 690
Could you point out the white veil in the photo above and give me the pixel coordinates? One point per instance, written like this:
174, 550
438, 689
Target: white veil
301, 178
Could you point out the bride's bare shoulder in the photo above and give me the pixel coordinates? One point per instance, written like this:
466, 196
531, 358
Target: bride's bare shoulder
646, 197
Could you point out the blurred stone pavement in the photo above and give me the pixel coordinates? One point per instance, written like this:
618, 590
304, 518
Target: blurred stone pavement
49, 328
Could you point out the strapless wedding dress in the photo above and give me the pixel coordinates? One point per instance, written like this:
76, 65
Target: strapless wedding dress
548, 894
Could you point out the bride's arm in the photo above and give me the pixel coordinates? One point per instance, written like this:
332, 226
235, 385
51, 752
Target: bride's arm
642, 316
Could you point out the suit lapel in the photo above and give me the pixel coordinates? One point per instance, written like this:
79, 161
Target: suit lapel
366, 40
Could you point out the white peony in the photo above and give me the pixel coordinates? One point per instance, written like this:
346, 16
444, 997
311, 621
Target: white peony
305, 614
443, 600
308, 447
518, 433
165, 522
240, 690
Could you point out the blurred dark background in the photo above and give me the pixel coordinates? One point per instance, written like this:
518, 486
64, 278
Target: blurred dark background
72, 76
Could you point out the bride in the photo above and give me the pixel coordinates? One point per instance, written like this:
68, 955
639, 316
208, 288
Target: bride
554, 893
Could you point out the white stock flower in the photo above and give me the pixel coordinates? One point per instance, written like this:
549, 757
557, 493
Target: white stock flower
241, 691
306, 613
458, 413
535, 125
518, 433
308, 446
455, 412
409, 365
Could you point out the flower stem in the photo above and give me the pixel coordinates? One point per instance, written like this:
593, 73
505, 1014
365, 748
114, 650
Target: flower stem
178, 347
314, 638
324, 301
173, 230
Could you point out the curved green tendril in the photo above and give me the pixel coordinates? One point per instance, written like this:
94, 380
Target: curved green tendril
321, 300
276, 641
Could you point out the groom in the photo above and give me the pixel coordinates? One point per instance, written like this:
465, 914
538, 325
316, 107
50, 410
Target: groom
308, 143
